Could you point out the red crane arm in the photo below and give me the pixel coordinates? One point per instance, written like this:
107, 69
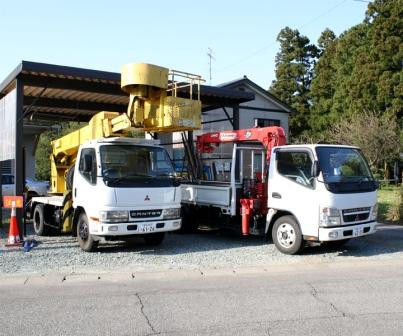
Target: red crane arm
268, 136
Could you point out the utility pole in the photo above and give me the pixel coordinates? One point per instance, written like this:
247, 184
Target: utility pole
211, 57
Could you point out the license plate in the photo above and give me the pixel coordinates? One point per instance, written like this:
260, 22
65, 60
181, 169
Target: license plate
148, 228
358, 232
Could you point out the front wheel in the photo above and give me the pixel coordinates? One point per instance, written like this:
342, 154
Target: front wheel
287, 235
154, 239
85, 239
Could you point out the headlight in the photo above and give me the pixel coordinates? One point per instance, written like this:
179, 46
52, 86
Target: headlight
375, 212
171, 213
329, 217
114, 216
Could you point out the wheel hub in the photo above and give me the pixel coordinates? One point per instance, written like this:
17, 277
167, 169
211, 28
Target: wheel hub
286, 235
83, 230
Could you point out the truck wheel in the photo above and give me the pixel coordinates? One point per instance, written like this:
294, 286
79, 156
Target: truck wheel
38, 221
287, 235
154, 239
85, 240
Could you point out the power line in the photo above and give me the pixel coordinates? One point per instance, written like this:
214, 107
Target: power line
253, 54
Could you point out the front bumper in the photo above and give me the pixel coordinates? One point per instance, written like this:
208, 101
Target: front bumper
133, 228
346, 232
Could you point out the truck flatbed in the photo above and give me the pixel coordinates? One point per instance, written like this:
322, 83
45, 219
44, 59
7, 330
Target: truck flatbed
209, 193
55, 200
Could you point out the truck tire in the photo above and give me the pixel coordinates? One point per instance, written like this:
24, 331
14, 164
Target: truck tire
69, 178
38, 220
154, 239
85, 239
287, 235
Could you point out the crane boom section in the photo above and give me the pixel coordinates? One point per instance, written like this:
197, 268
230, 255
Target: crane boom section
267, 136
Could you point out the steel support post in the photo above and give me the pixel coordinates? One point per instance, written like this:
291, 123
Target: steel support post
235, 123
235, 117
1, 193
18, 156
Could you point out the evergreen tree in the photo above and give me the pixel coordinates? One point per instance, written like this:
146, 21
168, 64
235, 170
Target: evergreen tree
385, 33
294, 64
323, 84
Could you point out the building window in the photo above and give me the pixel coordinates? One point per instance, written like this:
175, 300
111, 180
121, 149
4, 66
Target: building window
266, 122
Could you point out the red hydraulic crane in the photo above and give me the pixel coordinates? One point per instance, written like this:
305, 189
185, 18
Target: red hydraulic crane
268, 137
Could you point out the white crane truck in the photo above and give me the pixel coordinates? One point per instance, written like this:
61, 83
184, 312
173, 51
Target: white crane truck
295, 194
108, 186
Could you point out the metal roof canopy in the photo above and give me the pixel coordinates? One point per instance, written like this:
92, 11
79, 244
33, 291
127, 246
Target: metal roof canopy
47, 92
54, 92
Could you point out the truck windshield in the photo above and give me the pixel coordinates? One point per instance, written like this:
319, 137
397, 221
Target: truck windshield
122, 163
345, 169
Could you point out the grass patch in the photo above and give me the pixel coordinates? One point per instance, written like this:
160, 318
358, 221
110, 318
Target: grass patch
390, 203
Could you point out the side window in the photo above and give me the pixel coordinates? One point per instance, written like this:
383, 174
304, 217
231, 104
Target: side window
88, 165
296, 166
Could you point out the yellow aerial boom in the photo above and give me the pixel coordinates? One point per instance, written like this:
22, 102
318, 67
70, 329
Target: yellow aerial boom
154, 106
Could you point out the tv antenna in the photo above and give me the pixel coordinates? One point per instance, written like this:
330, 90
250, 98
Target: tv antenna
211, 57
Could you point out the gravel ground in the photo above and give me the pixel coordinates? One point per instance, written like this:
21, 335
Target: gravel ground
61, 254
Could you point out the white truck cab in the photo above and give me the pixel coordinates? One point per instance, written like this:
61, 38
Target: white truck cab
121, 187
328, 190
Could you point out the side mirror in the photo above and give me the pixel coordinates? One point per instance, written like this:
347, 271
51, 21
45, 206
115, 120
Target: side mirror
315, 169
87, 163
376, 184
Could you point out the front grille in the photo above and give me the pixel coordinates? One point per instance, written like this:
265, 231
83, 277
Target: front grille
356, 214
145, 213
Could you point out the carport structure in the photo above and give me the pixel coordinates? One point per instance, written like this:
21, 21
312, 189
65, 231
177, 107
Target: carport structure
35, 94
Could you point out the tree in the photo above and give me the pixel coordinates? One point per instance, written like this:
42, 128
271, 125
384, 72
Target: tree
325, 40
377, 135
294, 64
323, 85
385, 34
42, 154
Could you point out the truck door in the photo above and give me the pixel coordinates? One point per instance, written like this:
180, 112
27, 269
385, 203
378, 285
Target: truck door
85, 179
292, 186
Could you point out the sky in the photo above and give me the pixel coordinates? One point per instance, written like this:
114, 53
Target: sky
104, 35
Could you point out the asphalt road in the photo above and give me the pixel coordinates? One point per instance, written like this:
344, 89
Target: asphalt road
344, 298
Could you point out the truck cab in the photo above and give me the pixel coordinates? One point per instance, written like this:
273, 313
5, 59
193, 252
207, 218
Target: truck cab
319, 193
121, 187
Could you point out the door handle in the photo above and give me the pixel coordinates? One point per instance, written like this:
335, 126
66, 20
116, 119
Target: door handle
275, 195
75, 192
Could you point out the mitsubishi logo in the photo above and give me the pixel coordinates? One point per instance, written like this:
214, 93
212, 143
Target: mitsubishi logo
147, 198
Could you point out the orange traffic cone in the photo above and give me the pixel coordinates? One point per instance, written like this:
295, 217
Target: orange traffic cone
13, 233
